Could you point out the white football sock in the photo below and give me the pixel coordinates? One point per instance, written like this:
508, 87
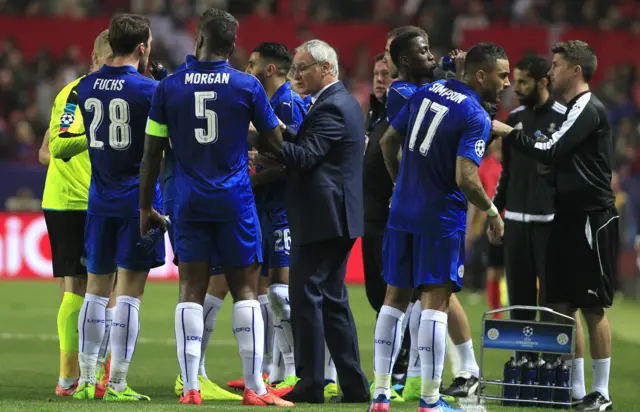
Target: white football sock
278, 295
277, 364
601, 370
453, 356
577, 372
189, 325
124, 336
286, 350
267, 317
468, 358
387, 343
432, 341
405, 320
210, 309
91, 321
248, 328
413, 370
330, 372
104, 347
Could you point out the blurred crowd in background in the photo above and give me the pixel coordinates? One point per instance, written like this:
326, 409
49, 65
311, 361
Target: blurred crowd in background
28, 86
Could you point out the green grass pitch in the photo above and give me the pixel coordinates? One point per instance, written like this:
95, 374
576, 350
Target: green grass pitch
29, 352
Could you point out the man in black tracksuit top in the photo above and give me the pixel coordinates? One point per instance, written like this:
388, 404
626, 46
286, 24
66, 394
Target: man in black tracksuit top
526, 188
582, 252
377, 186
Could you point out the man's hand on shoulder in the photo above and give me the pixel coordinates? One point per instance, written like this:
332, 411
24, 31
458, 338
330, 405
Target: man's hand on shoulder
500, 129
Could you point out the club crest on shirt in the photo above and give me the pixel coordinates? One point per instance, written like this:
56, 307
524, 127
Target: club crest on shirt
480, 148
552, 128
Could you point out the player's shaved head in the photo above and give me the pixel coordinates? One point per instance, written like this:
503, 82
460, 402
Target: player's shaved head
219, 33
101, 45
102, 52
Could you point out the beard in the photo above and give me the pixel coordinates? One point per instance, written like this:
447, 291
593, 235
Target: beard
530, 99
142, 65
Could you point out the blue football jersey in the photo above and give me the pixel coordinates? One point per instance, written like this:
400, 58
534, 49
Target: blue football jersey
169, 159
397, 96
115, 102
307, 102
205, 110
443, 120
289, 108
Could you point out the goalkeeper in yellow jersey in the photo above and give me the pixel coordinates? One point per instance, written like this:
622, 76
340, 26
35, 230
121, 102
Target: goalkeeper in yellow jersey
64, 203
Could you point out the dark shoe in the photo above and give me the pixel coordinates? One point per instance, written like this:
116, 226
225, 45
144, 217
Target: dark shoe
464, 385
343, 399
299, 395
595, 402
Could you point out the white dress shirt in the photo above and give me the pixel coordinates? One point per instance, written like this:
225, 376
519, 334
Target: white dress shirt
317, 95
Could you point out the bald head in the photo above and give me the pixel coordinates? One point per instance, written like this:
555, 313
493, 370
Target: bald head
101, 51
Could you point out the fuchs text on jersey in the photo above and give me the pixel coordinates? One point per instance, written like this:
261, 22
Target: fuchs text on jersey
108, 84
207, 78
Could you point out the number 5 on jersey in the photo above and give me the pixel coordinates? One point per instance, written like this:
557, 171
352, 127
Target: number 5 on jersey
209, 134
119, 129
439, 111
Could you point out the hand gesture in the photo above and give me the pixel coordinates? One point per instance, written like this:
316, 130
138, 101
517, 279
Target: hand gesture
458, 56
500, 129
495, 231
150, 219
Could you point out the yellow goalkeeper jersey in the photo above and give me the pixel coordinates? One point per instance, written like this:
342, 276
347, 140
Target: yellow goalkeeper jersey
69, 173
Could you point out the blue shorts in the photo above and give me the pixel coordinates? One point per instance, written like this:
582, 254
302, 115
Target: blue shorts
111, 243
236, 243
411, 260
276, 242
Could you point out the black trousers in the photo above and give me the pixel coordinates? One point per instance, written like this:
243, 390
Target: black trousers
374, 284
525, 256
320, 310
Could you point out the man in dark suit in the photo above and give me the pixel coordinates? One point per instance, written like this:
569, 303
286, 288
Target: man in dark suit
324, 205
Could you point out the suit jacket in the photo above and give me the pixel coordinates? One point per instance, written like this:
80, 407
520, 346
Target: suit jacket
324, 170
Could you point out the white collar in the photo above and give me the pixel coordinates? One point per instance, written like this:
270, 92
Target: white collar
317, 95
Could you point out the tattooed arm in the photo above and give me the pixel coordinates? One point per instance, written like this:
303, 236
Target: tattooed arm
469, 183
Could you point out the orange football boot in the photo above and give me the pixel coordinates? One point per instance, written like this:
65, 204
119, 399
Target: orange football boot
239, 383
60, 391
268, 399
193, 397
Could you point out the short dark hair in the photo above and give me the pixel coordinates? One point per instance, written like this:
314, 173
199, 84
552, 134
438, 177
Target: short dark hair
220, 32
204, 18
578, 53
127, 31
378, 57
483, 55
401, 44
277, 54
537, 67
404, 29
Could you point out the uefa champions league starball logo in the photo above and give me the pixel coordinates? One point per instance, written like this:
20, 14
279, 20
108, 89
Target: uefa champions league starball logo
479, 146
527, 331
